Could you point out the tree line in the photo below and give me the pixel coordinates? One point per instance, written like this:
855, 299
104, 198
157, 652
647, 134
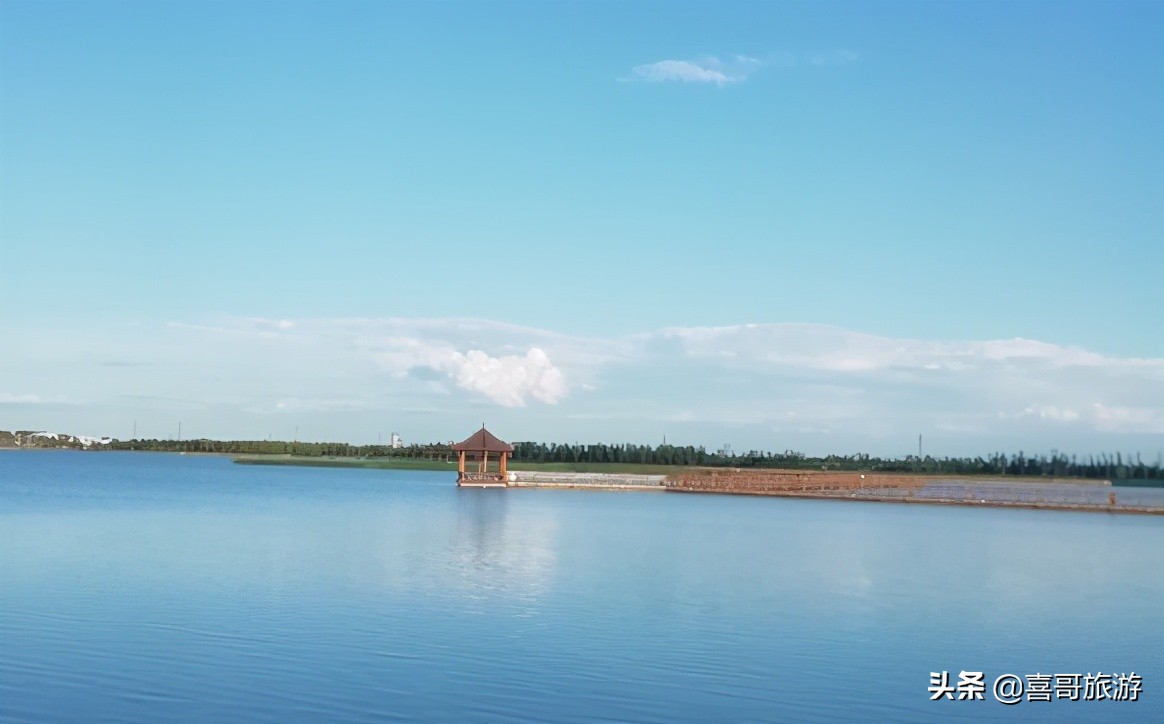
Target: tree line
1103, 466
432, 451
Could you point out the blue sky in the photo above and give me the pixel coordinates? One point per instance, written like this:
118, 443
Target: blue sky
884, 189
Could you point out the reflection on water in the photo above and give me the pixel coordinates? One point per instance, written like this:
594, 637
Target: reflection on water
138, 587
493, 556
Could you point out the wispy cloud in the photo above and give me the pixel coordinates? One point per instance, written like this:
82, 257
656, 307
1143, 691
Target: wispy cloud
1022, 381
703, 70
731, 69
684, 71
778, 385
836, 56
8, 398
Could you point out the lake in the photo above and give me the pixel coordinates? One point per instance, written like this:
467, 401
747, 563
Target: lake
154, 587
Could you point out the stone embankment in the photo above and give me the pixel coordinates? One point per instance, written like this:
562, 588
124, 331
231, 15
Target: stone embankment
773, 482
1059, 494
596, 481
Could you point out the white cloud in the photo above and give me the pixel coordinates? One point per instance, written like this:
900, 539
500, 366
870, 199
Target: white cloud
510, 379
451, 348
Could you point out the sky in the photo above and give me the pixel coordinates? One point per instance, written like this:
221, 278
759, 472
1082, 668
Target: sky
823, 227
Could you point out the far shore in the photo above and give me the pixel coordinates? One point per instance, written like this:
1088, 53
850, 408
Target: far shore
402, 463
670, 471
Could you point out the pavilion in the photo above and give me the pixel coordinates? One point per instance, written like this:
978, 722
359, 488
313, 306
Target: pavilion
477, 447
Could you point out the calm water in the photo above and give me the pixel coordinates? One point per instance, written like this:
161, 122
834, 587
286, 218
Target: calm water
139, 587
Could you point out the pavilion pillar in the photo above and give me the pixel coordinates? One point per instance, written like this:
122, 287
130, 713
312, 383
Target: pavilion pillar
460, 464
484, 461
504, 456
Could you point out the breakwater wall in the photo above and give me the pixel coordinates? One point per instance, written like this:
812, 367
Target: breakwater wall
1052, 494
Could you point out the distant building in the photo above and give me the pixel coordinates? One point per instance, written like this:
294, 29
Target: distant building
397, 441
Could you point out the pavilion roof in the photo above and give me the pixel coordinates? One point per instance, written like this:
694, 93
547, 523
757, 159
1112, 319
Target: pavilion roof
483, 441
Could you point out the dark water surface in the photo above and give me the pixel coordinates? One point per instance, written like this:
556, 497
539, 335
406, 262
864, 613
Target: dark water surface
144, 587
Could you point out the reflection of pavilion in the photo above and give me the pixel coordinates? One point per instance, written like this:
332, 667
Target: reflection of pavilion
502, 552
477, 447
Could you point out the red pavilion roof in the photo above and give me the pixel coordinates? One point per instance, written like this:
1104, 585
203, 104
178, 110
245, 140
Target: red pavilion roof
483, 441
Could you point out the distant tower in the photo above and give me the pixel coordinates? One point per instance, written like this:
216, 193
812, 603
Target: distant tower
919, 446
396, 441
